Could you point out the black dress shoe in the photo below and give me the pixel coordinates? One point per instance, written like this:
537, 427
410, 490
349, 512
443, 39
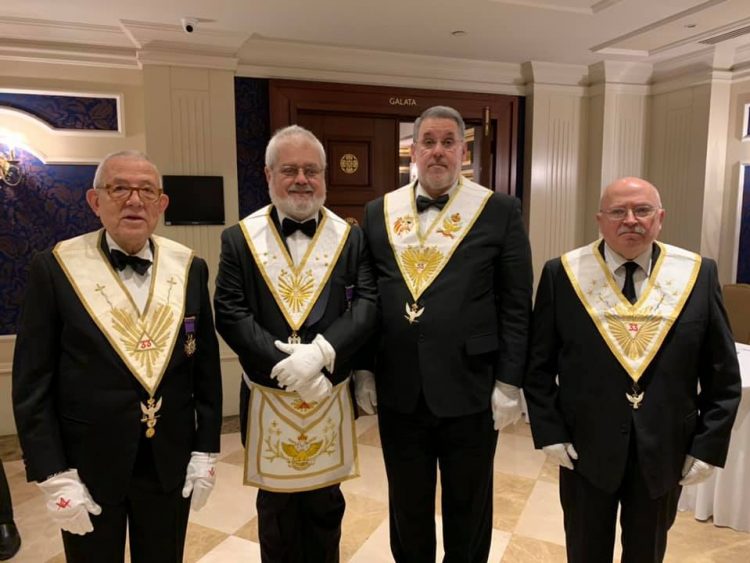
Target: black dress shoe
10, 541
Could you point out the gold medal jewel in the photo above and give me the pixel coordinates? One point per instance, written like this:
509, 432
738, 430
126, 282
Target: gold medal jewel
635, 397
413, 312
149, 410
294, 338
190, 343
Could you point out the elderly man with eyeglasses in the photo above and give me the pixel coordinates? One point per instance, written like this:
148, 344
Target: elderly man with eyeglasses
295, 299
116, 376
453, 265
633, 382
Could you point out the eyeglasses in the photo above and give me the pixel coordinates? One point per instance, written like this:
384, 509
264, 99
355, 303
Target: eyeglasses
639, 212
291, 171
449, 145
118, 192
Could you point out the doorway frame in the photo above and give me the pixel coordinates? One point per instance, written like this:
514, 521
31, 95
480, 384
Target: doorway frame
288, 97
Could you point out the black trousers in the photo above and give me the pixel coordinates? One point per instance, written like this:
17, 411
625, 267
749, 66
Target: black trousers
414, 446
156, 522
590, 516
6, 505
300, 527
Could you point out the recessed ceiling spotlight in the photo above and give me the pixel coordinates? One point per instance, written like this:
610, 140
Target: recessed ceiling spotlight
458, 33
690, 25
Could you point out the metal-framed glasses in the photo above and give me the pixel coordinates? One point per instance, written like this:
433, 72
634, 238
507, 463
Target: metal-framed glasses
121, 192
449, 144
639, 212
291, 171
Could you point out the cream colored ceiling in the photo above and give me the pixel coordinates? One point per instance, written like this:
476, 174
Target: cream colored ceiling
512, 31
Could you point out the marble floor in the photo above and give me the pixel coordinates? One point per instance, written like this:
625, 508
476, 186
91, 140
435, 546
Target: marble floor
527, 515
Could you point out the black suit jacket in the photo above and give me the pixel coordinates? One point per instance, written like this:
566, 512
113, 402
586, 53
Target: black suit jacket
249, 320
77, 405
589, 409
474, 327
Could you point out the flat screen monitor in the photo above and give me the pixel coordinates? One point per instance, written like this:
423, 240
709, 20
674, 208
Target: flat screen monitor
194, 200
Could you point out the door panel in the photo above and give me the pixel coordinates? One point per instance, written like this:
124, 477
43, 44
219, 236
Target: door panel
362, 158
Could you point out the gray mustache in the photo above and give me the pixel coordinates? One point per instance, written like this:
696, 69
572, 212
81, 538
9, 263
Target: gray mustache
638, 229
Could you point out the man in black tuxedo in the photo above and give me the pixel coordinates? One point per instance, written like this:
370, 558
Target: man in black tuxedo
116, 376
453, 267
633, 382
295, 298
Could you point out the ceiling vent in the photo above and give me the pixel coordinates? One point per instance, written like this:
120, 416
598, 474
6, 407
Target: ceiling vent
726, 36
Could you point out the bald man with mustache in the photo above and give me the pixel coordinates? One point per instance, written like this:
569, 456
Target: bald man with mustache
633, 382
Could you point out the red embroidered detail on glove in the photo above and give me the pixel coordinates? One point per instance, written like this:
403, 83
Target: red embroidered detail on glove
62, 503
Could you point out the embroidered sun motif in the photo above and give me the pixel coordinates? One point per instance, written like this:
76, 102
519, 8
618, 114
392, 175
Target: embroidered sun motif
633, 333
421, 264
403, 225
451, 225
296, 289
144, 340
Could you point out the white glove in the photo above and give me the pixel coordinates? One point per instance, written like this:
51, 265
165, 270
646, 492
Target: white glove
694, 471
199, 478
563, 454
305, 361
506, 404
314, 390
364, 391
69, 502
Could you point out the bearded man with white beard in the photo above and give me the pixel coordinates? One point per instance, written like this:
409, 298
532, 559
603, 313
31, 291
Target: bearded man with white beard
295, 298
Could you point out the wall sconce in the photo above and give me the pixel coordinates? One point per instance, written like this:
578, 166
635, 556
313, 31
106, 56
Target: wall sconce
11, 172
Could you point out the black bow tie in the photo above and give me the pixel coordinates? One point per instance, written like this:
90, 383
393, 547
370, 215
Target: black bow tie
290, 226
120, 260
425, 202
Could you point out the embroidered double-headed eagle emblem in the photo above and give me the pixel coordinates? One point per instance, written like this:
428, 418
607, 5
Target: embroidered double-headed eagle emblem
300, 452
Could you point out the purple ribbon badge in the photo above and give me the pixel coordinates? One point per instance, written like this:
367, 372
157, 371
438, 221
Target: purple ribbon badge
190, 343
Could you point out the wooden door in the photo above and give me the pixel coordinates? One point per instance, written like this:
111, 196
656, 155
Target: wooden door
363, 122
362, 154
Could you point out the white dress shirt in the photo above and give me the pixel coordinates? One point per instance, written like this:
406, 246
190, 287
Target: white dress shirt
430, 214
138, 286
298, 241
616, 265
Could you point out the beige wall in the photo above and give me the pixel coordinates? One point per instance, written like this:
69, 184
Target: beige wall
190, 129
584, 128
677, 162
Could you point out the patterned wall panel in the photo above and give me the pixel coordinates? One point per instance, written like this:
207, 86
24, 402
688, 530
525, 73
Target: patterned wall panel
66, 112
191, 128
253, 132
675, 181
743, 257
46, 207
561, 174
629, 136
